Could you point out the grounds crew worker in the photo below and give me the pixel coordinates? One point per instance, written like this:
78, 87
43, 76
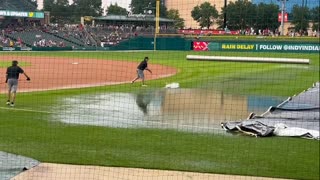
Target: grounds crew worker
12, 76
140, 74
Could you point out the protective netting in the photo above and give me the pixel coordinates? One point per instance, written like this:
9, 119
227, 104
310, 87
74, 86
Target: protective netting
138, 89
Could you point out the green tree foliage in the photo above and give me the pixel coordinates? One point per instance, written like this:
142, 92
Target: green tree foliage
315, 17
59, 10
34, 2
240, 15
267, 16
48, 5
116, 10
139, 7
300, 18
87, 8
174, 14
205, 14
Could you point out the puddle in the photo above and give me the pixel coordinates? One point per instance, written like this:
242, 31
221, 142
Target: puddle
183, 109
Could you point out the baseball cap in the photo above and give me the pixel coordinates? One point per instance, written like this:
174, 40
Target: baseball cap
14, 62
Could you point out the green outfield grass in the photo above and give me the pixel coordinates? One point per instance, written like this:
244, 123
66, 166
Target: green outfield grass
5, 64
32, 132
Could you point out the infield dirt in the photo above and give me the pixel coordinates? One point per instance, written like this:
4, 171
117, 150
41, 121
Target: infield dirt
51, 73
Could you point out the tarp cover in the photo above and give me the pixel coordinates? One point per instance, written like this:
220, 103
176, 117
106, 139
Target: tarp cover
11, 165
297, 116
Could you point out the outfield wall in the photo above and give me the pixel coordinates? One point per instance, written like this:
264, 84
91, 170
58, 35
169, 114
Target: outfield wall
256, 46
184, 44
36, 49
138, 43
147, 43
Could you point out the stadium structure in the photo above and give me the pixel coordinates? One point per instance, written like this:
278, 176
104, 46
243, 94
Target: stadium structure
186, 6
290, 3
23, 26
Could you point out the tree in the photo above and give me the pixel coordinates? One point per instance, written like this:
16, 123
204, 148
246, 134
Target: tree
267, 16
240, 15
87, 8
34, 2
205, 14
139, 7
315, 18
116, 10
174, 14
59, 10
300, 17
48, 5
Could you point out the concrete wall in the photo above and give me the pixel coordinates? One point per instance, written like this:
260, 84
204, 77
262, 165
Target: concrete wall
186, 6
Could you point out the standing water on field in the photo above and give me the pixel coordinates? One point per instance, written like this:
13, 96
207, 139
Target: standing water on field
183, 109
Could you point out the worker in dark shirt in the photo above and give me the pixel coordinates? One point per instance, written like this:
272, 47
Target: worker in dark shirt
12, 76
141, 67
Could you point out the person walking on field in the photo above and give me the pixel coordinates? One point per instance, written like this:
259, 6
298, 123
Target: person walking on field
12, 76
140, 70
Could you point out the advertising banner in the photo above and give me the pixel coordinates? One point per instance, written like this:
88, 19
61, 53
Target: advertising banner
22, 14
260, 47
8, 48
200, 46
285, 17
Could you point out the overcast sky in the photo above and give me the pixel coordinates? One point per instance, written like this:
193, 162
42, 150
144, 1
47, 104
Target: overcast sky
105, 3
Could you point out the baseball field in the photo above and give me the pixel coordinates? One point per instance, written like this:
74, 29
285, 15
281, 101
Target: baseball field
62, 81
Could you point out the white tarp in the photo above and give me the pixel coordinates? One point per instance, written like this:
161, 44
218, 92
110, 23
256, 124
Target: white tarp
298, 116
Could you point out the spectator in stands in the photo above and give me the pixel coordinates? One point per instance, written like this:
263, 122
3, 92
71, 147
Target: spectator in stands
11, 43
19, 42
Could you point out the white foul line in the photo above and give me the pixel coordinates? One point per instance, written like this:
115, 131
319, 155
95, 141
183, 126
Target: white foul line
27, 110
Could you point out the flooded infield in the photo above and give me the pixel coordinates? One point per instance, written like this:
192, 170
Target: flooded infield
182, 109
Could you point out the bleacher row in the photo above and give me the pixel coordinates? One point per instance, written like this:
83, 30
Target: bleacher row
32, 34
76, 36
68, 35
40, 37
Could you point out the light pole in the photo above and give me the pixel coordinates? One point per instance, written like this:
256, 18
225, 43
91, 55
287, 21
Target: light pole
225, 15
157, 24
283, 8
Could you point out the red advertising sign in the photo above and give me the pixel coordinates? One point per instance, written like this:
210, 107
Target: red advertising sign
285, 15
200, 46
